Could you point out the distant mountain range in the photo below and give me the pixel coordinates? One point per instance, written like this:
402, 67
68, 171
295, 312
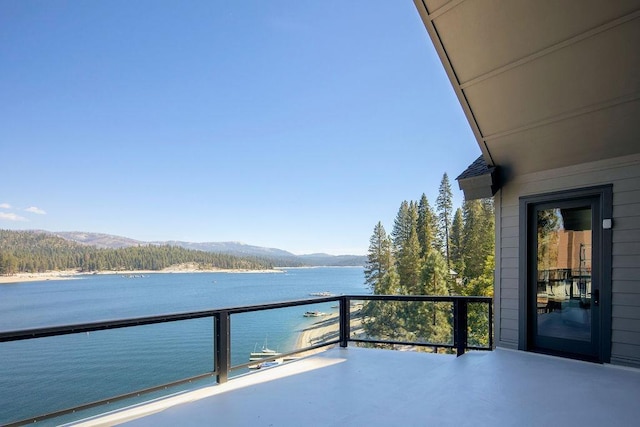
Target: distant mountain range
280, 257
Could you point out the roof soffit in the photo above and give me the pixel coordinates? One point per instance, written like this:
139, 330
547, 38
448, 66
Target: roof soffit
522, 68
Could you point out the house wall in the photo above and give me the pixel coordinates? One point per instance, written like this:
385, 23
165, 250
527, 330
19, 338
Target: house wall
624, 174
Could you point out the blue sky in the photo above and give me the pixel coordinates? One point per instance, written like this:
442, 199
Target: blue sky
289, 124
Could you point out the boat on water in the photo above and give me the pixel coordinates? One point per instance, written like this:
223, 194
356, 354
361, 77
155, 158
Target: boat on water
258, 355
314, 314
262, 354
270, 355
321, 294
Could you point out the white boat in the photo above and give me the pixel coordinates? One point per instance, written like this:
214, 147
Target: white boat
267, 353
314, 314
321, 294
263, 353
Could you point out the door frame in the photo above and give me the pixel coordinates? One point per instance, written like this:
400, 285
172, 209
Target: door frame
602, 255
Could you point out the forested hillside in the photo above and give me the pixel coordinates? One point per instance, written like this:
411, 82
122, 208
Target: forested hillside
277, 257
28, 251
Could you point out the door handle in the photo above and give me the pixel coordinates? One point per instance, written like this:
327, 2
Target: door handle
595, 297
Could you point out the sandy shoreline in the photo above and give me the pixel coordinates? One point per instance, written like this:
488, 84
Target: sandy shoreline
74, 274
324, 329
327, 328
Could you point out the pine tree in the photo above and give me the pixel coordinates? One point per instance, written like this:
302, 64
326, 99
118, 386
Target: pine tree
427, 225
478, 315
472, 239
444, 206
483, 284
384, 319
409, 265
381, 319
407, 247
379, 261
8, 264
435, 274
487, 220
457, 239
401, 226
432, 320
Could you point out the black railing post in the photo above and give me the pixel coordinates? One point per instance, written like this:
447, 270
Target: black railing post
490, 303
460, 325
345, 321
223, 346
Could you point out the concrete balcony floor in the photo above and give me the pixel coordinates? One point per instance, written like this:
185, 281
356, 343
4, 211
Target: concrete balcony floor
366, 387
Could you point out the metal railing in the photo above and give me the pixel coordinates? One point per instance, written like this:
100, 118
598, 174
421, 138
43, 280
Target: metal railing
460, 308
222, 335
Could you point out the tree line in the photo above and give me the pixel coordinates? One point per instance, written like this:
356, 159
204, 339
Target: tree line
30, 252
431, 251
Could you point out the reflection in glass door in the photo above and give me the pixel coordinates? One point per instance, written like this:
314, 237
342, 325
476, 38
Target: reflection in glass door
561, 286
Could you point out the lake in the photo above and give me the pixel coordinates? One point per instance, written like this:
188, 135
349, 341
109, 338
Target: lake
49, 374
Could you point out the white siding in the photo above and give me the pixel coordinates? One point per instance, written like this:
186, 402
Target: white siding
624, 174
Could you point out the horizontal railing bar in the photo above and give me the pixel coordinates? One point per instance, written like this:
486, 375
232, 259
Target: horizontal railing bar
149, 320
100, 326
426, 298
417, 344
139, 321
109, 400
283, 304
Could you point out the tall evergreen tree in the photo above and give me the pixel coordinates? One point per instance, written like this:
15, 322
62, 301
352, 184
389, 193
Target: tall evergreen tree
432, 320
409, 264
401, 226
407, 247
548, 225
379, 261
472, 239
435, 274
477, 235
488, 228
483, 284
444, 207
457, 239
381, 318
427, 225
478, 320
8, 264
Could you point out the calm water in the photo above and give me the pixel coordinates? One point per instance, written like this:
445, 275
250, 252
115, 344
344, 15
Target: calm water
48, 374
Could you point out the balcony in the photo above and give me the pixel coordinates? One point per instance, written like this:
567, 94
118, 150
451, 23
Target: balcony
358, 386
